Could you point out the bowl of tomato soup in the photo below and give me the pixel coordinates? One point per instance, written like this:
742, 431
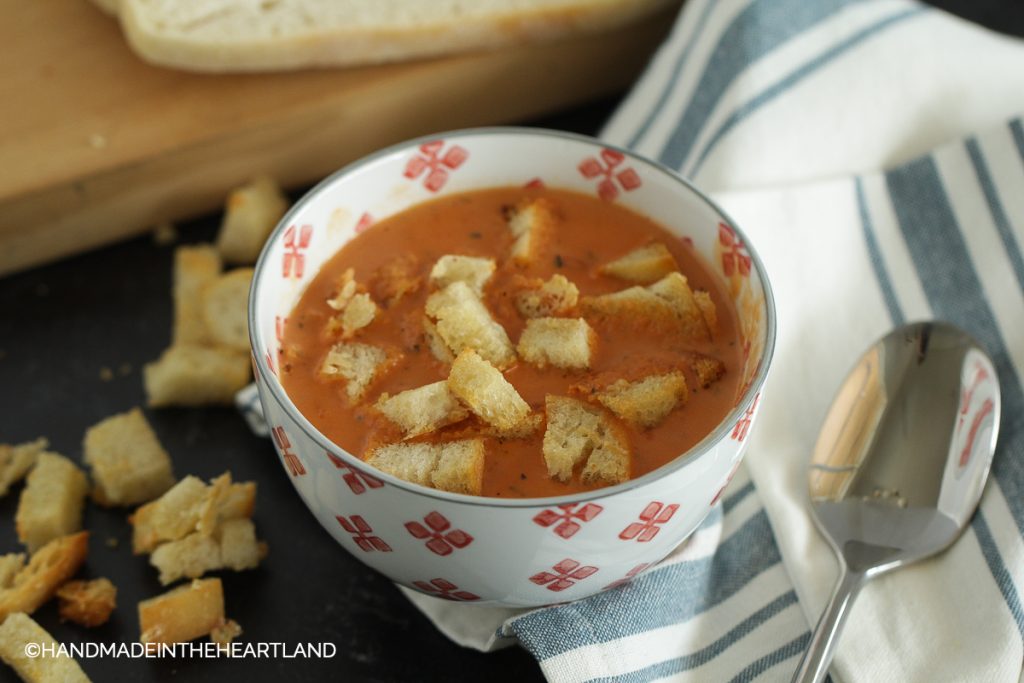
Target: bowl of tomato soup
509, 366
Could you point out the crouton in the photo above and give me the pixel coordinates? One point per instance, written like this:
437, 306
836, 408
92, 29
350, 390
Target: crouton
232, 546
194, 268
196, 376
359, 313
482, 387
399, 277
669, 301
435, 343
643, 265
463, 322
557, 296
10, 565
566, 343
251, 213
17, 460
225, 633
357, 364
474, 271
55, 666
225, 309
190, 506
707, 309
182, 614
346, 290
646, 402
577, 432
530, 222
424, 409
129, 466
49, 567
708, 369
456, 466
52, 501
88, 603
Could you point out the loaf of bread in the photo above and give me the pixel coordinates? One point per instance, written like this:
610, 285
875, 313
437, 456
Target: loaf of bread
238, 35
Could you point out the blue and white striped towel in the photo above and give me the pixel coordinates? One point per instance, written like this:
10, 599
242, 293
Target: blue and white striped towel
807, 119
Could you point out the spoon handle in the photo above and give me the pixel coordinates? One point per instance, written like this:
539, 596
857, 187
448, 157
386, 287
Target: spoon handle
822, 647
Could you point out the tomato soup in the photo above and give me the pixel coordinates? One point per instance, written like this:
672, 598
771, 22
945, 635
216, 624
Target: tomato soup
391, 264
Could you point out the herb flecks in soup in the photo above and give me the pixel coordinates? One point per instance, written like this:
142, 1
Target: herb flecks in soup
514, 342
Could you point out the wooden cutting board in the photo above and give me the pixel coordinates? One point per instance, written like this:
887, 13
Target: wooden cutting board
96, 145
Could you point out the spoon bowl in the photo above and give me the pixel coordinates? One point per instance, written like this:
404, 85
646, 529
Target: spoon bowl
901, 461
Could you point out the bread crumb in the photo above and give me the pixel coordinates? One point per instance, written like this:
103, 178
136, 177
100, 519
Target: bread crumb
17, 632
182, 614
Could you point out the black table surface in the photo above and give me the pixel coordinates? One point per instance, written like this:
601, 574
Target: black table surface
63, 324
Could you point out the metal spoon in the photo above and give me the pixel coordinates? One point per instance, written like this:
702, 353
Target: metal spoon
900, 463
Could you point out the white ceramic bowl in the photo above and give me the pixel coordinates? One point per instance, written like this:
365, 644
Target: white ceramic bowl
522, 552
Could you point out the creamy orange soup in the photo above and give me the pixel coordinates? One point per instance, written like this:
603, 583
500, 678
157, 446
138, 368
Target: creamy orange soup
392, 262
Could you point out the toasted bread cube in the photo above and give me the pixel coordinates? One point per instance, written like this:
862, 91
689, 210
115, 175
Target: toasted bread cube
196, 376
49, 567
642, 265
707, 309
52, 501
577, 432
10, 565
251, 213
239, 549
675, 289
557, 296
463, 322
129, 466
531, 223
708, 370
482, 387
194, 268
357, 364
472, 270
346, 290
359, 312
88, 603
182, 614
16, 634
424, 409
566, 343
225, 305
435, 343
646, 402
17, 460
190, 557
669, 301
455, 466
633, 303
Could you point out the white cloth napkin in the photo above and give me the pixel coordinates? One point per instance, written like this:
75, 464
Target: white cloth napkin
807, 120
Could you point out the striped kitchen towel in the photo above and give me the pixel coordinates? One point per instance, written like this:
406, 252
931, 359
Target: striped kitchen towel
838, 134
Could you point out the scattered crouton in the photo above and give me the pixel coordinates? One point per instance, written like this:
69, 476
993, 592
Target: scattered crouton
190, 506
359, 313
643, 265
530, 222
225, 633
196, 376
435, 343
708, 370
646, 402
17, 460
232, 546
49, 567
456, 466
183, 614
424, 409
669, 301
557, 296
566, 343
52, 501
707, 309
55, 666
474, 271
577, 432
225, 309
251, 213
194, 268
87, 603
482, 387
357, 364
399, 277
463, 322
129, 466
